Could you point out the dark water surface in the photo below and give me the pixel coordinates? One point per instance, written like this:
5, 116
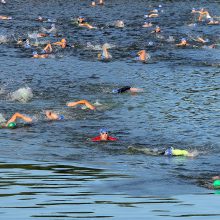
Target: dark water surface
50, 170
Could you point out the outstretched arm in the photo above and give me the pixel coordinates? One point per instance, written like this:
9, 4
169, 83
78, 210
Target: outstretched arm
48, 48
81, 102
18, 115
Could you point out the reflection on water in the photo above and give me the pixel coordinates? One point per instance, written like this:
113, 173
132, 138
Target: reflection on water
55, 191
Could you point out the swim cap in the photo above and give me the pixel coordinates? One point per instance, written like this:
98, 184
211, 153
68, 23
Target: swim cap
216, 184
34, 53
115, 91
183, 39
168, 152
61, 117
103, 130
151, 43
11, 125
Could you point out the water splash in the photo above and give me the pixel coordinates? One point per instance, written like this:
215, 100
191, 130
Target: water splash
22, 95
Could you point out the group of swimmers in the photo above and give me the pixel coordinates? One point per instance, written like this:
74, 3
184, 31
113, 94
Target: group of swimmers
103, 133
142, 55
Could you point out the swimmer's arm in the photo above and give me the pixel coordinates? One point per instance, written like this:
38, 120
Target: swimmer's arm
18, 115
81, 102
136, 89
49, 48
57, 43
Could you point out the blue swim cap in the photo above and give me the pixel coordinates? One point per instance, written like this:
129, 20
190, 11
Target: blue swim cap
114, 90
103, 130
27, 46
183, 39
34, 53
61, 117
168, 152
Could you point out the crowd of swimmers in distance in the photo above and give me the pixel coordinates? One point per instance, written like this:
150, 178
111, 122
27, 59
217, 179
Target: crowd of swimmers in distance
142, 55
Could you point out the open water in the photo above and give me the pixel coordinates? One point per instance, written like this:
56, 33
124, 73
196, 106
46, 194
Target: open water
51, 170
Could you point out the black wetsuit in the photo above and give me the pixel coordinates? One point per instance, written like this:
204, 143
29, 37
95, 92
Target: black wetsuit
123, 89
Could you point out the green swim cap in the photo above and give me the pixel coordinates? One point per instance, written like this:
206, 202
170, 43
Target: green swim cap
11, 125
216, 184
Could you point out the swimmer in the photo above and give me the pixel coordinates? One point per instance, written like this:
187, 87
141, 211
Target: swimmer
2, 17
147, 24
81, 102
103, 136
153, 14
11, 123
127, 89
36, 55
101, 2
105, 55
40, 18
203, 13
82, 23
20, 41
48, 49
168, 152
183, 43
143, 55
201, 40
119, 24
212, 22
27, 44
177, 152
62, 43
157, 30
93, 3
53, 116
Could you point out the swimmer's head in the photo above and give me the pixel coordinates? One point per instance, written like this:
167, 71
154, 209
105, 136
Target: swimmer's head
63, 40
168, 151
61, 117
151, 43
183, 39
104, 134
103, 130
34, 53
115, 91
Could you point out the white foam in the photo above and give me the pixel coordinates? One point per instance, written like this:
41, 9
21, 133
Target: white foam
2, 119
22, 95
